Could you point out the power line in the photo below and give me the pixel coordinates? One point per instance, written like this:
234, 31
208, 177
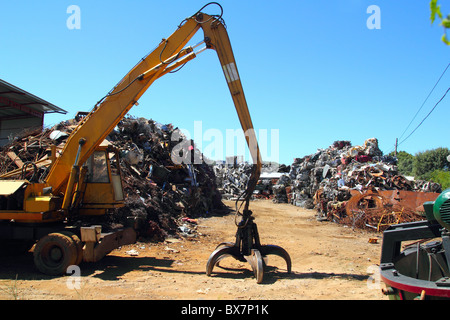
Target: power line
425, 101
425, 117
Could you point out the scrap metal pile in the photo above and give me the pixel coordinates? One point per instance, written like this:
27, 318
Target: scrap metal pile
167, 195
232, 179
357, 186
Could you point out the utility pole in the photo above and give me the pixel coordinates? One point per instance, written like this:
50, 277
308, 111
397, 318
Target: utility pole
396, 144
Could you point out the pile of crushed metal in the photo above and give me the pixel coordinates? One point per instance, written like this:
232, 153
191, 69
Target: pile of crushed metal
167, 195
232, 179
356, 186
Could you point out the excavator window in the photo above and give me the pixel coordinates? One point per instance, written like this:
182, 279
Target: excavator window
97, 168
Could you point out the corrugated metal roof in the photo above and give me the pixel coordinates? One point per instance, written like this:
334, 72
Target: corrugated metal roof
16, 102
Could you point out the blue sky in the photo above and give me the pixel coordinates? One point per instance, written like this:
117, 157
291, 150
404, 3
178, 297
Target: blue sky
312, 70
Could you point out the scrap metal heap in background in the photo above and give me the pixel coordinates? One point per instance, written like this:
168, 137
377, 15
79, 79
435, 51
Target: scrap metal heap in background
232, 179
354, 185
358, 186
166, 195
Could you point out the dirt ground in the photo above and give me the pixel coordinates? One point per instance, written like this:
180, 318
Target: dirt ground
329, 262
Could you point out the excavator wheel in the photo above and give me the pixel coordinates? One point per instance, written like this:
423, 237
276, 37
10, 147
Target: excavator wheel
78, 244
54, 253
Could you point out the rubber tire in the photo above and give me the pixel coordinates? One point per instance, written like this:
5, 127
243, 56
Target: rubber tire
64, 254
78, 244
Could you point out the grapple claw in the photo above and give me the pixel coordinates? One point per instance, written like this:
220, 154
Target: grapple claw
226, 244
220, 253
257, 263
247, 248
277, 251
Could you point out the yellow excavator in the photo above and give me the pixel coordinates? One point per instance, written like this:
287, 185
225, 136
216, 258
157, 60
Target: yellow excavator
84, 181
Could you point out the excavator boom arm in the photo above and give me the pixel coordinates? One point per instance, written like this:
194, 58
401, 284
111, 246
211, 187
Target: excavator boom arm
168, 55
216, 33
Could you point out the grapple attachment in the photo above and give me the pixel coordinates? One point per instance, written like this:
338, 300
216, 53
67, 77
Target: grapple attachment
247, 248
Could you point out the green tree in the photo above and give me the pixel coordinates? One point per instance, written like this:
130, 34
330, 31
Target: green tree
442, 177
428, 161
445, 22
405, 163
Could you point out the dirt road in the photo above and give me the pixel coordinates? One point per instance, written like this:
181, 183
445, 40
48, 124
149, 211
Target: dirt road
329, 262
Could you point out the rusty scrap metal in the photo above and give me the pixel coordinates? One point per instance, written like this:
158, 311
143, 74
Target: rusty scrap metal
155, 187
358, 186
378, 209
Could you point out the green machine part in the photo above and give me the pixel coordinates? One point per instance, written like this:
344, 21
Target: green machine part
439, 210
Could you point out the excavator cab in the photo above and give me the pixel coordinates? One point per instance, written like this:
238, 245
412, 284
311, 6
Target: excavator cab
100, 187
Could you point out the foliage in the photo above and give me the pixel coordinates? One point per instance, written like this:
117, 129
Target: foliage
431, 165
428, 161
442, 177
405, 163
445, 22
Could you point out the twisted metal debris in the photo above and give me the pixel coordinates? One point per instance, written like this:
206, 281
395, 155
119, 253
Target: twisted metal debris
358, 186
352, 185
156, 188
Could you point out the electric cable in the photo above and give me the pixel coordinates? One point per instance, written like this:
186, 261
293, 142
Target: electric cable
425, 100
425, 116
